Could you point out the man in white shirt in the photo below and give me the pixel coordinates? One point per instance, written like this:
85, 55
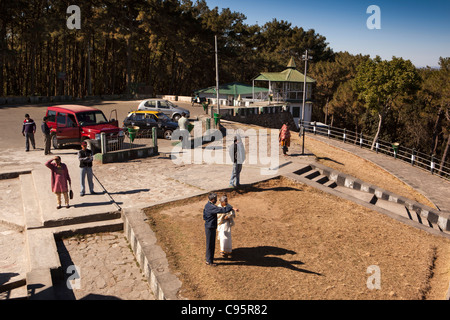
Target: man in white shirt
183, 123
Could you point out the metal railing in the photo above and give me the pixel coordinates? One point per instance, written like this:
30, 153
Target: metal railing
143, 138
419, 159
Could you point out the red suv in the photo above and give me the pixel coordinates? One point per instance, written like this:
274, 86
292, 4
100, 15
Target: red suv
73, 124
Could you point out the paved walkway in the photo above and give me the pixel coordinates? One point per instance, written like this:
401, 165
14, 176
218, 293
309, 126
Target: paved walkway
436, 189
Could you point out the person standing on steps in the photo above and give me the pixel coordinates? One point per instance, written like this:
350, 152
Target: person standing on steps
86, 158
28, 131
60, 180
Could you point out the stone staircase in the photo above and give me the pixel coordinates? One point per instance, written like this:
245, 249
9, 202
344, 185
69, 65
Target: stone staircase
398, 207
42, 224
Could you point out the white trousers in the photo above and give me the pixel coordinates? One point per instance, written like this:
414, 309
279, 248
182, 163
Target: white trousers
225, 237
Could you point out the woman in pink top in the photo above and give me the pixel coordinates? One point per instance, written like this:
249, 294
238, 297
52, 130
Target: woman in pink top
285, 138
60, 177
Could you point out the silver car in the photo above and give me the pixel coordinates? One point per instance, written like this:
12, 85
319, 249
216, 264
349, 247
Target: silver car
168, 108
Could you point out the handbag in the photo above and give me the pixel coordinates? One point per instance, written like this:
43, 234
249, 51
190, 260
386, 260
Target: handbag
70, 194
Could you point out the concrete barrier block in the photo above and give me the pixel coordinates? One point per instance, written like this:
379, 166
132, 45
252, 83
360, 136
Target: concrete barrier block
444, 223
348, 182
433, 217
402, 200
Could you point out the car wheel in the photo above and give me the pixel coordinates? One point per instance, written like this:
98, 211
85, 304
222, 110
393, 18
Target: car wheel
176, 117
168, 134
55, 142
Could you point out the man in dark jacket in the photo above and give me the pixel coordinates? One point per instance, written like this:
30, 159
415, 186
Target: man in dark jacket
85, 157
210, 213
237, 155
28, 131
47, 136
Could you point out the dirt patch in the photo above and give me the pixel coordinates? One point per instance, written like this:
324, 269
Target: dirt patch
294, 242
357, 167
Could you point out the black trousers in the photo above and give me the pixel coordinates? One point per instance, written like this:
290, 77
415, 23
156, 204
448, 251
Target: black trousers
210, 244
29, 136
47, 143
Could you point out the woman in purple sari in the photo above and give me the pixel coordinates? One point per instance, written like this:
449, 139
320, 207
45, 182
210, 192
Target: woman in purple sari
60, 177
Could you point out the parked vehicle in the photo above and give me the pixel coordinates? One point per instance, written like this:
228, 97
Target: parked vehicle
168, 108
198, 100
73, 124
149, 119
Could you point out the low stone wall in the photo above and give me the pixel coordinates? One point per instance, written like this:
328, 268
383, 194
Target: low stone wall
125, 155
151, 258
440, 218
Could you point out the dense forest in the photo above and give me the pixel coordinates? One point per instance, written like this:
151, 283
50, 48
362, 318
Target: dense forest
167, 47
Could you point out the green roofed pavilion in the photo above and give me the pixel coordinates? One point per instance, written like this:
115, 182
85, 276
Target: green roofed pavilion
288, 75
234, 89
286, 85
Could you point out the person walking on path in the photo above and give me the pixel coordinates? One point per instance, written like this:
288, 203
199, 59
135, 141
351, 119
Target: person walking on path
285, 138
86, 158
210, 213
225, 221
237, 155
28, 131
47, 137
60, 180
183, 124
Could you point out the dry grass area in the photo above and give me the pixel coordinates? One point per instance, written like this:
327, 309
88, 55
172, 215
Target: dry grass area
357, 167
294, 242
351, 164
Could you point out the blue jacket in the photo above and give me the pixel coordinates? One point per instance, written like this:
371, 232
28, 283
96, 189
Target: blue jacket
28, 126
210, 213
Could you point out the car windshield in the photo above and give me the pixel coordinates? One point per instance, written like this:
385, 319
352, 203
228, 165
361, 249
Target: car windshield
161, 116
91, 118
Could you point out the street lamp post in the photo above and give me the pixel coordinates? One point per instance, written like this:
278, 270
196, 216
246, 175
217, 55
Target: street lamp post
305, 57
89, 70
217, 77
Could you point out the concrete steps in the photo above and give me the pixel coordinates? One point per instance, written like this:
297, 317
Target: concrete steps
31, 209
44, 224
356, 189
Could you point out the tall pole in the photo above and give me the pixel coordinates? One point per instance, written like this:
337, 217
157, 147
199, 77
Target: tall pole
302, 127
217, 77
304, 87
89, 70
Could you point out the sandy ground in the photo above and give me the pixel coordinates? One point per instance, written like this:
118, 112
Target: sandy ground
293, 242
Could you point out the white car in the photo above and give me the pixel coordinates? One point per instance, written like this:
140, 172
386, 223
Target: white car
168, 108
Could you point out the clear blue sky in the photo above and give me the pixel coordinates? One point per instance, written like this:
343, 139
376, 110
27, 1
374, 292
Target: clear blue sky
414, 30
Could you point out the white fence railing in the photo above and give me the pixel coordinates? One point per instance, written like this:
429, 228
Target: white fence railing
427, 162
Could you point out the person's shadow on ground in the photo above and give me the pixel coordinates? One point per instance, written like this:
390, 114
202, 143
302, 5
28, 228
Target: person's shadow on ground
261, 256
